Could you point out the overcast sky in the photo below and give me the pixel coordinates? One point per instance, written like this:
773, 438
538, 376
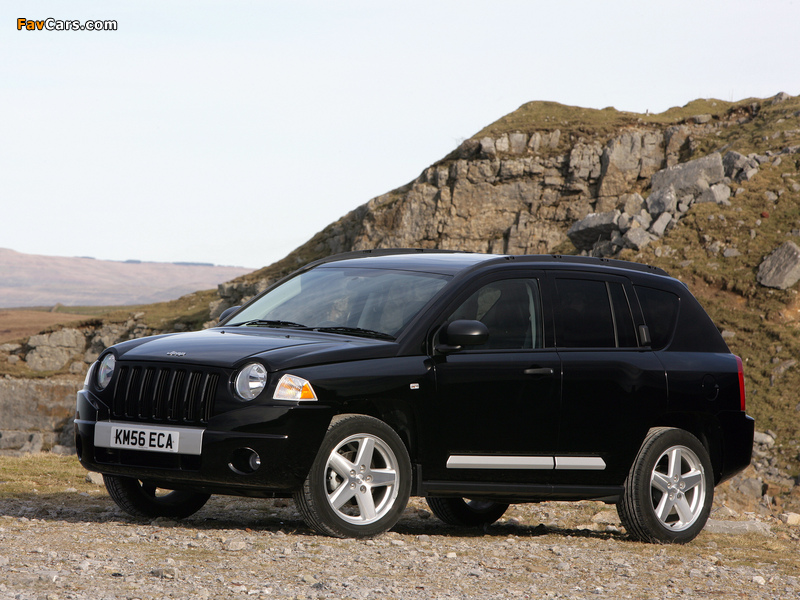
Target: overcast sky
231, 132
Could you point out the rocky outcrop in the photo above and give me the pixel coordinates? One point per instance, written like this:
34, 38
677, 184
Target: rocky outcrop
673, 191
35, 413
634, 155
52, 351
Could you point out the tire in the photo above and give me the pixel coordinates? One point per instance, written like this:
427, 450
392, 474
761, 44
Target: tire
360, 481
141, 499
466, 513
669, 490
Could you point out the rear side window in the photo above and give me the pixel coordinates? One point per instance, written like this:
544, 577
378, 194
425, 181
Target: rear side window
593, 314
586, 319
660, 310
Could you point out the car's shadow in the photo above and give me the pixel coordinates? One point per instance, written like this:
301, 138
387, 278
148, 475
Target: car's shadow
267, 516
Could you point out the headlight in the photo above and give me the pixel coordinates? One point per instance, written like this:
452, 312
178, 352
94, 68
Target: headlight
251, 380
106, 371
291, 387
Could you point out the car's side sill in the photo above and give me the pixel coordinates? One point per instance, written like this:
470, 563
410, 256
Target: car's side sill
521, 492
559, 463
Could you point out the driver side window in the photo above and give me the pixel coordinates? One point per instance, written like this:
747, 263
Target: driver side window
510, 309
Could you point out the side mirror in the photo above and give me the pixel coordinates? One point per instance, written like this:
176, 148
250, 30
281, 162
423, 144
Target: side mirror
462, 333
228, 312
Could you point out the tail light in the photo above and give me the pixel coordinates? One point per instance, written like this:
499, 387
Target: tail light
741, 383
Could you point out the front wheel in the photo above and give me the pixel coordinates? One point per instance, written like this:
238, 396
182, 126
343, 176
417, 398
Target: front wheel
668, 493
360, 481
143, 499
466, 513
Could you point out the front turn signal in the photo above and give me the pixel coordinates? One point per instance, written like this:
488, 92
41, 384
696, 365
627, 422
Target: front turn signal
291, 387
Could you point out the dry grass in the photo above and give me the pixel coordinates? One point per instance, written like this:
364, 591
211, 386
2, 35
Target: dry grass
16, 324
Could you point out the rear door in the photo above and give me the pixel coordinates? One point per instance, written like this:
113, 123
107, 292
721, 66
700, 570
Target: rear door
612, 387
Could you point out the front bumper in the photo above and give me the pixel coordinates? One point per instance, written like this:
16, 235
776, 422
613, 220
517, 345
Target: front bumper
284, 436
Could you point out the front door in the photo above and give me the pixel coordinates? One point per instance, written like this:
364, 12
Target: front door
496, 411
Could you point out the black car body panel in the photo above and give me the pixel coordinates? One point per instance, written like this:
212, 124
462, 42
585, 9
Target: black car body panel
554, 405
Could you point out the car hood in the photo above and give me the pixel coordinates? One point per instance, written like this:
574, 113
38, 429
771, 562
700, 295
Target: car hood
228, 347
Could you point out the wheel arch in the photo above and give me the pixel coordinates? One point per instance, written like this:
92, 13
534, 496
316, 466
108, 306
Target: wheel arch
705, 428
397, 417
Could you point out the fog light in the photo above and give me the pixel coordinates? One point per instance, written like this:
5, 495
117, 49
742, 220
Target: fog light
244, 461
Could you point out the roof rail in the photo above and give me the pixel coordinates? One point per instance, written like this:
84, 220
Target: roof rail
587, 260
380, 252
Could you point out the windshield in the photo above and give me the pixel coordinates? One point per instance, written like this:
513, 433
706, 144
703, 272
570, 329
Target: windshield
345, 300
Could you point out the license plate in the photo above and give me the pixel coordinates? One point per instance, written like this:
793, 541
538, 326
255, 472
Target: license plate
152, 439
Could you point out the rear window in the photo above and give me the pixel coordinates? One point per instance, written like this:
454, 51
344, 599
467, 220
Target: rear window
660, 310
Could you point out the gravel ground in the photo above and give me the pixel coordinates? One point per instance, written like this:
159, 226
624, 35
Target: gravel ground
78, 545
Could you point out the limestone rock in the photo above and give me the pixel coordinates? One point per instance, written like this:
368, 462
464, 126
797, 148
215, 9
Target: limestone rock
584, 162
659, 226
781, 269
517, 142
739, 167
34, 411
690, 178
47, 358
501, 144
764, 439
629, 156
637, 238
535, 141
631, 203
52, 351
662, 200
790, 518
677, 141
718, 193
63, 338
737, 527
593, 228
780, 97
37, 404
488, 147
533, 236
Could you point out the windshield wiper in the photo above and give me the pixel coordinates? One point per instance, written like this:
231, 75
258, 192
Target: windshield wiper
356, 331
270, 323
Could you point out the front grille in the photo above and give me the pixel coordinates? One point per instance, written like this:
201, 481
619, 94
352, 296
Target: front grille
164, 394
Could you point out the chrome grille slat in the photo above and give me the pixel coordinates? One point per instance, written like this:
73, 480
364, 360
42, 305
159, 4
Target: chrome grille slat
164, 394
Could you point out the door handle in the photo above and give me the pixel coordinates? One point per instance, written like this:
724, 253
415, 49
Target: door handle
539, 371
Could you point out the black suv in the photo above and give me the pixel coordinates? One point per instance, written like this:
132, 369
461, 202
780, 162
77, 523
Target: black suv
473, 380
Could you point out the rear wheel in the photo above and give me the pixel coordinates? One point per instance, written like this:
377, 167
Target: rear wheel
143, 499
360, 481
463, 512
668, 493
